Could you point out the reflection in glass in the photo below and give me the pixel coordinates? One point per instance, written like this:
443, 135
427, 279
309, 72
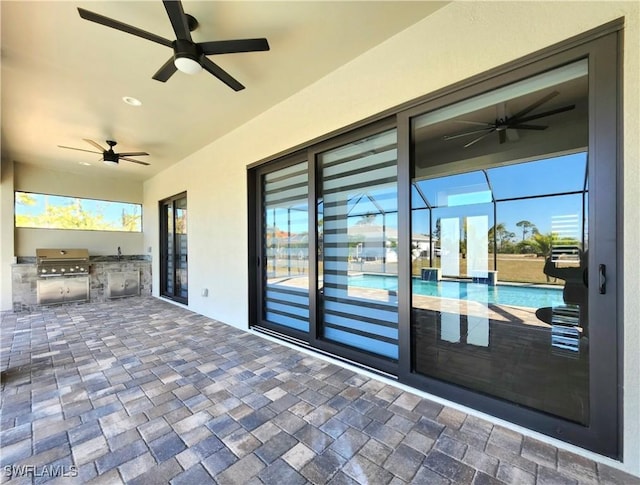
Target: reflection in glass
357, 238
182, 285
169, 240
499, 244
285, 247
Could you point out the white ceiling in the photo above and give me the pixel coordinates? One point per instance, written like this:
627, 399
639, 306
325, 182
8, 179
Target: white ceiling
63, 78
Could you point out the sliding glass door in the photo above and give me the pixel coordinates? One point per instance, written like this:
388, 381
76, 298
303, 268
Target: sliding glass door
513, 226
284, 249
173, 249
357, 234
466, 245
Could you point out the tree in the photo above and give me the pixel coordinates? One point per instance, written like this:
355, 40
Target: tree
502, 235
544, 242
23, 198
130, 222
526, 226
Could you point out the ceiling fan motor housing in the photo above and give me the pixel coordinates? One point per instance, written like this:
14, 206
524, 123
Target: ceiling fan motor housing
183, 48
110, 157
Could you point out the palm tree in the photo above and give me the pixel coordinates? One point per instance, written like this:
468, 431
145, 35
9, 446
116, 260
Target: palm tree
526, 225
544, 242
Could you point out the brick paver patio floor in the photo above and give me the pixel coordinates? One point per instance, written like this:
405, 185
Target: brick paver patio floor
141, 391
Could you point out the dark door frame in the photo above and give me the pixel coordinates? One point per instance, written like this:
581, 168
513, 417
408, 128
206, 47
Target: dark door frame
164, 248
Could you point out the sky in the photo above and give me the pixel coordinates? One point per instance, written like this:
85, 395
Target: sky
469, 194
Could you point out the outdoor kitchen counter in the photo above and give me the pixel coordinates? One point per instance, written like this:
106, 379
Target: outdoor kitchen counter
25, 277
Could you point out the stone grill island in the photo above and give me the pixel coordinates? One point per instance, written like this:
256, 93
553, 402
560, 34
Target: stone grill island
109, 277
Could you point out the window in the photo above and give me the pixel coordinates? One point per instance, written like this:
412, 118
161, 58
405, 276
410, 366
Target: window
43, 211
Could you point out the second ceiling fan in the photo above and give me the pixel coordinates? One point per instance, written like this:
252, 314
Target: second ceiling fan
516, 122
188, 56
110, 157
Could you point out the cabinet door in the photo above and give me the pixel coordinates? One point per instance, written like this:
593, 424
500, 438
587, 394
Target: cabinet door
125, 283
131, 283
115, 285
76, 289
50, 291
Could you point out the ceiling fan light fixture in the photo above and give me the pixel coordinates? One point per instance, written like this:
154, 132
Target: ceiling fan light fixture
113, 163
131, 101
187, 65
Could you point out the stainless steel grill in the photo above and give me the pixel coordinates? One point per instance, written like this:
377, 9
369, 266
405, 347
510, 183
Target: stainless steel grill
62, 262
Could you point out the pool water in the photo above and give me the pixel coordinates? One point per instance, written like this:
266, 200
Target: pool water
523, 296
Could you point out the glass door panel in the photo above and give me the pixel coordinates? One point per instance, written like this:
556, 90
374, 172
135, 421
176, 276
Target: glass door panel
173, 249
285, 248
357, 241
168, 259
181, 255
500, 244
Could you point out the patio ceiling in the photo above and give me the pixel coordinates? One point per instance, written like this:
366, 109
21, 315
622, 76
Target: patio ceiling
63, 78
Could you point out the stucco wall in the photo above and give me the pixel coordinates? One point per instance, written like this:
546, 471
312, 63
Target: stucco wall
6, 233
458, 41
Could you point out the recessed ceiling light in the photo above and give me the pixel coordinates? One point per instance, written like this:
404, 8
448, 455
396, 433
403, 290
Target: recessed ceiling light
132, 101
84, 163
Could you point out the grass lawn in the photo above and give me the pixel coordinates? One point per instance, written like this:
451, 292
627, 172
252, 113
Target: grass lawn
520, 268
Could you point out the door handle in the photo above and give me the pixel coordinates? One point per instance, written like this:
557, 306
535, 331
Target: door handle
602, 279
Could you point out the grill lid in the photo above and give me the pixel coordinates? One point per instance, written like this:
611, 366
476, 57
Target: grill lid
64, 255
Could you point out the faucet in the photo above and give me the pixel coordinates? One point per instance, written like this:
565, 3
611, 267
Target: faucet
119, 253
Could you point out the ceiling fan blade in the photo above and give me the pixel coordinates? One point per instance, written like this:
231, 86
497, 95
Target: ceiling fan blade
466, 133
178, 19
546, 113
79, 149
479, 138
527, 127
93, 143
221, 74
533, 106
132, 154
129, 29
480, 123
166, 71
502, 136
233, 46
134, 161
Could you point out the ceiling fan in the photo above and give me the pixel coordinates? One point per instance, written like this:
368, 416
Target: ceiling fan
516, 122
188, 56
109, 156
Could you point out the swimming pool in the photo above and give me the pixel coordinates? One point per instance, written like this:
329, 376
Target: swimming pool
524, 296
